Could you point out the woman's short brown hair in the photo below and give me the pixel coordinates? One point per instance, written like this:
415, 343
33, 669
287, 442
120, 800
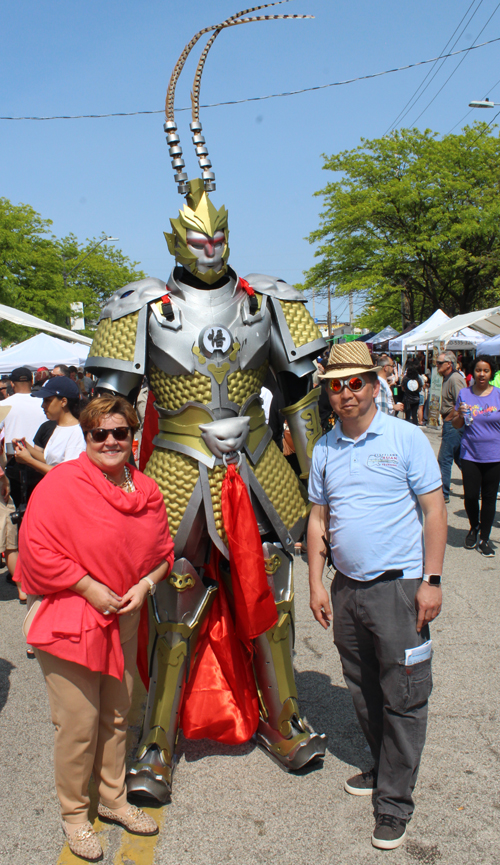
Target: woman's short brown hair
102, 406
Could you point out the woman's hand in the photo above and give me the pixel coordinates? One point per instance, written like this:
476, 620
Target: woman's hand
98, 595
133, 600
22, 453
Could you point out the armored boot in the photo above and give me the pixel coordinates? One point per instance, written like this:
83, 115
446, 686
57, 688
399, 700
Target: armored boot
180, 604
281, 730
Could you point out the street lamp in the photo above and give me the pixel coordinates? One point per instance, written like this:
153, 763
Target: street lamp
483, 103
102, 240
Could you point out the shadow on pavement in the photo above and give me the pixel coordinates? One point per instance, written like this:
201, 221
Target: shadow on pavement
197, 749
329, 709
5, 670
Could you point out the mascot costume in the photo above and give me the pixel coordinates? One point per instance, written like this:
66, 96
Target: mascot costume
220, 653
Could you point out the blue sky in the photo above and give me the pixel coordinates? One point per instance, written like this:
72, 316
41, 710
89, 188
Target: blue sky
114, 174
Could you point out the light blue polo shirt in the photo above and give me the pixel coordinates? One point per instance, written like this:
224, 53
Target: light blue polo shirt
371, 487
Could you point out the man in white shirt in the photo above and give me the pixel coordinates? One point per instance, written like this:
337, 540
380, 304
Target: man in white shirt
23, 420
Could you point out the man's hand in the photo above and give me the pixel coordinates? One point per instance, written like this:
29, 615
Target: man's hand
320, 605
428, 602
398, 406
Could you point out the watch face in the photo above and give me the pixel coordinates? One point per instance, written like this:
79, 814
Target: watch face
434, 580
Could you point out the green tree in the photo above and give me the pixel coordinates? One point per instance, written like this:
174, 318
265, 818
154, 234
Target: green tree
32, 261
412, 218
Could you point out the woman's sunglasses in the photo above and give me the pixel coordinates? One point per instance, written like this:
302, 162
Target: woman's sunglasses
354, 384
100, 435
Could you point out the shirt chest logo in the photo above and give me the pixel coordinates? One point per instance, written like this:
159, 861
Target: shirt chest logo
386, 461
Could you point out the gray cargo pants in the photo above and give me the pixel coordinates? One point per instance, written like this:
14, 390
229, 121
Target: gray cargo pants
374, 622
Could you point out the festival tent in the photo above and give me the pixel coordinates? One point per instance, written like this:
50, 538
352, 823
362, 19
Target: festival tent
42, 350
486, 321
400, 342
8, 313
387, 333
490, 346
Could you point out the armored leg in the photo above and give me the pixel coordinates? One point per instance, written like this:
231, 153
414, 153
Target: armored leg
180, 605
281, 730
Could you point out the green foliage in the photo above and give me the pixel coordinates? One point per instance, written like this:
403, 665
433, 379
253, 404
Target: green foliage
32, 262
415, 215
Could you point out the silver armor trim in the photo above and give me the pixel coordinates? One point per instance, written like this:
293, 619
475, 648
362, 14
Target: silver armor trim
133, 297
117, 380
274, 287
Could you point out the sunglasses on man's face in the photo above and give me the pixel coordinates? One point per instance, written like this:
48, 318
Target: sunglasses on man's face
354, 384
100, 435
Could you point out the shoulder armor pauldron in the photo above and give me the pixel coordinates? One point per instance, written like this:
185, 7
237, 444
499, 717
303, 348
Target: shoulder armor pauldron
133, 297
274, 287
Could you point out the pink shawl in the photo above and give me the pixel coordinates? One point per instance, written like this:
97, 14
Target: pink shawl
78, 523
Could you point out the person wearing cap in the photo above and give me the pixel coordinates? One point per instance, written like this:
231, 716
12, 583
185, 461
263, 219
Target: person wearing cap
23, 421
373, 481
41, 376
61, 403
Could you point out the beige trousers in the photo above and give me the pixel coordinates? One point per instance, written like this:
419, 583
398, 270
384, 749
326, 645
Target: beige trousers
89, 712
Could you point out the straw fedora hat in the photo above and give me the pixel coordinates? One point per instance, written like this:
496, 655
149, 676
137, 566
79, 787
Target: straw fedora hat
349, 358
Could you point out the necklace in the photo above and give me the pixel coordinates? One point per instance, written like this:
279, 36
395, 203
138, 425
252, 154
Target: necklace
127, 485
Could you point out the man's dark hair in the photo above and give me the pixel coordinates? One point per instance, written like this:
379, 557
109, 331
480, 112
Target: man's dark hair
370, 377
64, 369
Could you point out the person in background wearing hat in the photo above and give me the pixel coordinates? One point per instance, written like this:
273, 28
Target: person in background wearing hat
372, 478
61, 403
23, 421
41, 376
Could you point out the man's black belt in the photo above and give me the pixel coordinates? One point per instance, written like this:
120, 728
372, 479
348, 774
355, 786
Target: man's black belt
382, 578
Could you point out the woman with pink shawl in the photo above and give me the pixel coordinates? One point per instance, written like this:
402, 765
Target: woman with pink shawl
94, 542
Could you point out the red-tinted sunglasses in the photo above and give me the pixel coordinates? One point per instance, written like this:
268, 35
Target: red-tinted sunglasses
354, 384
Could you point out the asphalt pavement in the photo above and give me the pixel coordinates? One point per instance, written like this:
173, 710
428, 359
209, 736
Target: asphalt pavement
233, 805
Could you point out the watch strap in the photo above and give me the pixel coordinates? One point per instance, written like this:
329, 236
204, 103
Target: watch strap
152, 584
432, 579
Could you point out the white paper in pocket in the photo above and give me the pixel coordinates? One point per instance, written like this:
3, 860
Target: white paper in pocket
419, 653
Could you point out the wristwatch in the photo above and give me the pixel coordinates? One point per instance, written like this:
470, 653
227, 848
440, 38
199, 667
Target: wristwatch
152, 585
432, 579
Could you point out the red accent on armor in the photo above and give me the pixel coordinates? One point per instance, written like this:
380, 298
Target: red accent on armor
246, 286
149, 431
165, 298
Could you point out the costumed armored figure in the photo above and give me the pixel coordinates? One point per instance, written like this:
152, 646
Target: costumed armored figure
206, 340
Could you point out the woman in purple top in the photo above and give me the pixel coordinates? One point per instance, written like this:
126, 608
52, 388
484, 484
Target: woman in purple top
478, 411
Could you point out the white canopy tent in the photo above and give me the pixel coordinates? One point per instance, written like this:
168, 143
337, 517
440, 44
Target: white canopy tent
42, 350
490, 346
7, 313
399, 343
486, 321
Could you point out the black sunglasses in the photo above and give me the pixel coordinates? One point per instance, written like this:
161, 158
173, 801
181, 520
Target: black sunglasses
99, 435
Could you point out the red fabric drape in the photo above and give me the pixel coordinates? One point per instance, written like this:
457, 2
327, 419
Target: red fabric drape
221, 700
253, 599
77, 523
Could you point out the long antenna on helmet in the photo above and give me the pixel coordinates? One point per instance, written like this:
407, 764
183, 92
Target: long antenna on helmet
170, 125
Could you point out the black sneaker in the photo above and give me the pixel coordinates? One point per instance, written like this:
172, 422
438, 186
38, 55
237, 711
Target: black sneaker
389, 832
361, 785
485, 549
471, 540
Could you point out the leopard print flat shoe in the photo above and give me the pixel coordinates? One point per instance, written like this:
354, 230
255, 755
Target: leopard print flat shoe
135, 820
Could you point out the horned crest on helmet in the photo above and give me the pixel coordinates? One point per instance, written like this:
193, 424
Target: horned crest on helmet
199, 216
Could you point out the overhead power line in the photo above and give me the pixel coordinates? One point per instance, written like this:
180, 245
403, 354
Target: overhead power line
409, 105
269, 96
457, 66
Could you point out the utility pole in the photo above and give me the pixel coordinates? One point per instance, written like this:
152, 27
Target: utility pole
314, 311
329, 317
351, 309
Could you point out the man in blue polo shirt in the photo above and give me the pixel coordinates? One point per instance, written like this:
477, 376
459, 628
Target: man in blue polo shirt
375, 486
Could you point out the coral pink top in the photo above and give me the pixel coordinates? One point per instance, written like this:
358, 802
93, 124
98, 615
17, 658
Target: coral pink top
78, 523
